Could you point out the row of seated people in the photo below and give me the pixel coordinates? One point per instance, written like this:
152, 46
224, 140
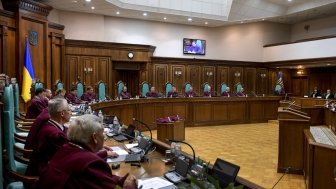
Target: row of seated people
73, 156
317, 94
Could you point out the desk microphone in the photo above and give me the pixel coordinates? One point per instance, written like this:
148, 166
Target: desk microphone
172, 140
149, 129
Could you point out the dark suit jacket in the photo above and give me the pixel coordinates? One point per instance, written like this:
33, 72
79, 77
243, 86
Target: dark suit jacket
76, 167
331, 96
314, 95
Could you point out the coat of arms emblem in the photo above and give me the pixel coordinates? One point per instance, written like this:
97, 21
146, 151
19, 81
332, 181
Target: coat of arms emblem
33, 36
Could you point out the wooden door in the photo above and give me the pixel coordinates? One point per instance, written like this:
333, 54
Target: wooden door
300, 86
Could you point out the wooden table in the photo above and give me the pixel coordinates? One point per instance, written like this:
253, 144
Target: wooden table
173, 130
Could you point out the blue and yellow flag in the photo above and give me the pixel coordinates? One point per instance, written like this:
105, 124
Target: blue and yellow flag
28, 74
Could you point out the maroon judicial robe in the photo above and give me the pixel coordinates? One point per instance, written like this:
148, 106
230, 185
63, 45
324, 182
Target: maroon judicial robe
172, 94
71, 98
190, 94
74, 167
228, 94
35, 108
88, 97
241, 94
152, 94
208, 94
125, 95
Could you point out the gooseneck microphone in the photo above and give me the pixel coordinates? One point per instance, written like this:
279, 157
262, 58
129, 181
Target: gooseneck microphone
149, 129
172, 140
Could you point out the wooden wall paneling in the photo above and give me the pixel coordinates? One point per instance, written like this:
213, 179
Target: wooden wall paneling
72, 63
160, 77
102, 72
178, 75
236, 76
88, 63
220, 112
249, 82
261, 81
10, 58
237, 111
203, 112
194, 77
2, 47
38, 52
56, 57
208, 75
144, 73
222, 77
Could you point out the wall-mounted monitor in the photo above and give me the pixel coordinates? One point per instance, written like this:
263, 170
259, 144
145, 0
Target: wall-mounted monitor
194, 46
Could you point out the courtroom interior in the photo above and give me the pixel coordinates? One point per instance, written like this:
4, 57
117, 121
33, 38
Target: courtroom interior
244, 84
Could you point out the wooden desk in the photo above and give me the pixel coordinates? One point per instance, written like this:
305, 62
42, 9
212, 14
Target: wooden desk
174, 130
319, 163
308, 102
330, 119
198, 111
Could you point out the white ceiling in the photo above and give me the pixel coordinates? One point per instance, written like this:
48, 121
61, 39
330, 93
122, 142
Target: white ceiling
213, 12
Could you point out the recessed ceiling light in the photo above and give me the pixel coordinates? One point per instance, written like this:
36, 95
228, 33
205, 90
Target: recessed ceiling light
289, 0
206, 23
117, 12
328, 64
88, 0
144, 14
263, 19
189, 19
241, 22
75, 1
92, 7
165, 18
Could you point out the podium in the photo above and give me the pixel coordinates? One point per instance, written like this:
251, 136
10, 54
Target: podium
172, 130
291, 138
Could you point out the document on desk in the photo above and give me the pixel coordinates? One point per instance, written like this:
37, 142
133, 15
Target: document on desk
121, 152
129, 146
155, 183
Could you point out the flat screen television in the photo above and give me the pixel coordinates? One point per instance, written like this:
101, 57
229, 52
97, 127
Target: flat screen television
194, 46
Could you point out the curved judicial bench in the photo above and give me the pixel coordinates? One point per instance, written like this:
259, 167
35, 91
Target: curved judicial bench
197, 111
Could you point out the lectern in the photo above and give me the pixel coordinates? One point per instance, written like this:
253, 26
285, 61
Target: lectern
172, 130
290, 152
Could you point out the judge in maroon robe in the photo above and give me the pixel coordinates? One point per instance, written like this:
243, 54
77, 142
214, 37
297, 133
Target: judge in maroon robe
76, 165
37, 104
124, 94
173, 93
72, 97
241, 93
227, 92
190, 93
152, 93
89, 95
208, 92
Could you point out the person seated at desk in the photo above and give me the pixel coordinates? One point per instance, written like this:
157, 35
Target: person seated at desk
72, 97
208, 92
173, 92
89, 95
60, 93
124, 94
190, 93
316, 93
152, 93
37, 104
241, 93
76, 165
328, 95
226, 92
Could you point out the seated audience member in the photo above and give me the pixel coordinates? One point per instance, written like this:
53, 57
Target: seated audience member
89, 95
37, 104
329, 95
124, 94
72, 97
241, 93
208, 92
152, 93
60, 93
173, 92
190, 93
226, 92
316, 93
76, 165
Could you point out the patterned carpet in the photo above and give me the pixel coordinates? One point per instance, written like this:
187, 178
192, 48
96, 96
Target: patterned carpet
254, 147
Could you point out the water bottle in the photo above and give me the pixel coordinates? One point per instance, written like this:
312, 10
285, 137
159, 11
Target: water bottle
100, 115
172, 147
177, 149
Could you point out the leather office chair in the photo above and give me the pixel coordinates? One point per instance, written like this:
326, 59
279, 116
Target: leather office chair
144, 88
101, 88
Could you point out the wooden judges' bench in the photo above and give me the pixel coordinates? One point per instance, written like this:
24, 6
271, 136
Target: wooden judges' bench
196, 111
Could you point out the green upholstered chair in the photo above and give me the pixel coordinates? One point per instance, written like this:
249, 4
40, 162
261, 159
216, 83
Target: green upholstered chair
187, 87
144, 88
80, 88
59, 85
238, 87
119, 87
101, 88
223, 87
168, 87
206, 86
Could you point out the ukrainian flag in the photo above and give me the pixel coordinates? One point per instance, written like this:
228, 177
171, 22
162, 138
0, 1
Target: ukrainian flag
28, 74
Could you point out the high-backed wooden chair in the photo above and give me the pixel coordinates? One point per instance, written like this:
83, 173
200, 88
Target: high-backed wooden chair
168, 87
144, 88
101, 88
119, 87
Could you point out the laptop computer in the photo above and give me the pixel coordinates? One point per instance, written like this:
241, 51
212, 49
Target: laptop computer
121, 136
225, 172
180, 173
143, 146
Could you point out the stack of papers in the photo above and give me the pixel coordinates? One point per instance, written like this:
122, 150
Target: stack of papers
155, 183
121, 152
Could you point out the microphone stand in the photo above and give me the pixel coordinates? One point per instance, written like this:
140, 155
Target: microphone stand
172, 140
149, 129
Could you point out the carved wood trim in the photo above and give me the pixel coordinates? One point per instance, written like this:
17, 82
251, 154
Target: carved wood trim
56, 26
29, 5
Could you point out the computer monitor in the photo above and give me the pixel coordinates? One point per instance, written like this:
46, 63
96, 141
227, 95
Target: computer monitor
225, 172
